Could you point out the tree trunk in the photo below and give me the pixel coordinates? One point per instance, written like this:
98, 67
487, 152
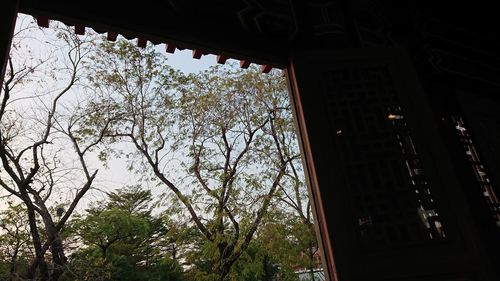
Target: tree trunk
58, 258
225, 261
13, 262
38, 269
56, 247
223, 271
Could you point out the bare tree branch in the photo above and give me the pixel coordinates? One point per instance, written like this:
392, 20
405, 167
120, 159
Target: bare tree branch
172, 187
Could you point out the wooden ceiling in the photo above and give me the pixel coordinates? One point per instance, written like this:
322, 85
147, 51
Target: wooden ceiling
266, 32
261, 30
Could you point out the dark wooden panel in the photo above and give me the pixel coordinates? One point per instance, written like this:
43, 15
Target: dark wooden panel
263, 31
479, 132
388, 193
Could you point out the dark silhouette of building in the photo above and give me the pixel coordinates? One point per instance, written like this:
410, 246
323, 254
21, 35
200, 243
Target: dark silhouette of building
397, 106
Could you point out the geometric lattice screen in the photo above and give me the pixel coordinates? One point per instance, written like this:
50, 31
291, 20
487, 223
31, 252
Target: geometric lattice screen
487, 187
390, 195
390, 200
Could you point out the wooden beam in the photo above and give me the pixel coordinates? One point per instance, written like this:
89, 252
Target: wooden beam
244, 63
265, 68
8, 16
42, 21
197, 54
170, 48
142, 42
112, 36
80, 29
221, 59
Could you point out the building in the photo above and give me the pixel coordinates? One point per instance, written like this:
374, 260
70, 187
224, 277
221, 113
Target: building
305, 275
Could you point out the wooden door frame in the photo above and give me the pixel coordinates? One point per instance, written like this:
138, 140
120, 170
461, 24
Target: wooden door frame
321, 226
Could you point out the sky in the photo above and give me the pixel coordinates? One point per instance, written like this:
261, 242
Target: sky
184, 61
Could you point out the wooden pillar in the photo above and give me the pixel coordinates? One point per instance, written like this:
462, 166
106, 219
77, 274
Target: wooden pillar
8, 15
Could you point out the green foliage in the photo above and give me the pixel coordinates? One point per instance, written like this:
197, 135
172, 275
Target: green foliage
109, 226
87, 264
132, 199
15, 252
254, 265
167, 270
123, 241
294, 236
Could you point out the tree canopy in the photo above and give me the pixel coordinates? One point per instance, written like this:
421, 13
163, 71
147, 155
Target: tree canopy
218, 146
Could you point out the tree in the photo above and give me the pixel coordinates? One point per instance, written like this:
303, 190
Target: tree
122, 241
287, 240
221, 128
297, 215
221, 142
14, 242
35, 128
105, 229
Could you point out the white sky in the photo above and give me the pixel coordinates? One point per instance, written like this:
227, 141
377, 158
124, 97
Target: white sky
117, 173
